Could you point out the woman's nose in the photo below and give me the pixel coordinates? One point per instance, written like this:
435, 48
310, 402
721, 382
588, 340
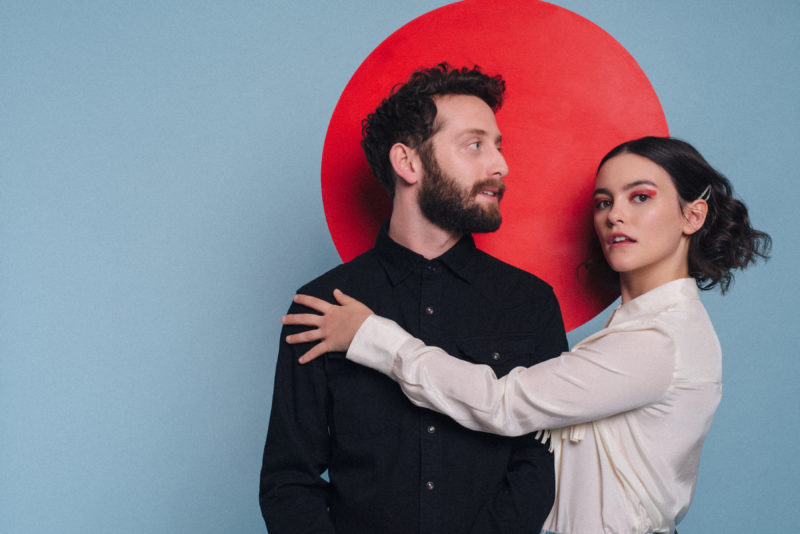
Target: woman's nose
615, 214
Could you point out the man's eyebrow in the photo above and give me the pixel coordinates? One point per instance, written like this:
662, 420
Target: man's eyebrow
632, 185
474, 131
482, 133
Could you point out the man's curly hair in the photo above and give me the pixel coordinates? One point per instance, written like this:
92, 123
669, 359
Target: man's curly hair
408, 115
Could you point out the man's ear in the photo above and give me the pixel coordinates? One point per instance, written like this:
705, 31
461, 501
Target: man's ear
694, 215
406, 163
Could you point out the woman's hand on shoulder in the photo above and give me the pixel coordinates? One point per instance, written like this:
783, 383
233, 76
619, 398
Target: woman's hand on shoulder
335, 326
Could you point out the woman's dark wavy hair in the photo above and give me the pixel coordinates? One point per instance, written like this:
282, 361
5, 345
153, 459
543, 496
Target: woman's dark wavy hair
408, 115
726, 240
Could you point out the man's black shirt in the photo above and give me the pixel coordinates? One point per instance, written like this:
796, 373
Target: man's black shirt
395, 468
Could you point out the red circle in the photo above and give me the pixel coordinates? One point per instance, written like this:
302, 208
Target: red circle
573, 93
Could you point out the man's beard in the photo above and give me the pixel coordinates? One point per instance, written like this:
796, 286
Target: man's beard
453, 208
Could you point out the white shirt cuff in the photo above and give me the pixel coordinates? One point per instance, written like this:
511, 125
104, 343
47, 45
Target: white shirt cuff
376, 343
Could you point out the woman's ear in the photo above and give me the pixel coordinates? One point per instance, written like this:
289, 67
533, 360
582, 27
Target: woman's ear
694, 215
406, 163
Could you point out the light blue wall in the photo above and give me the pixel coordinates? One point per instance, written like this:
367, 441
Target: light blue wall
159, 204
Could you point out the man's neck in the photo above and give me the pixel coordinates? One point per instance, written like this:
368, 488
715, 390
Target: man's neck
416, 233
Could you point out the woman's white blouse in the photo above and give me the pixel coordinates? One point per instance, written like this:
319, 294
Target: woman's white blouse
628, 408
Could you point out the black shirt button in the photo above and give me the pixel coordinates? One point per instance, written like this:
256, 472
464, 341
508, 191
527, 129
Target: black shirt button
495, 356
429, 310
429, 485
431, 429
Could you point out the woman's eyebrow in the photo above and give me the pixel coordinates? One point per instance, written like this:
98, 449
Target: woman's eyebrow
637, 183
632, 185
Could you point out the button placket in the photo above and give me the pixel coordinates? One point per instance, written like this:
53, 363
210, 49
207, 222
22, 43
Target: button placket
430, 311
429, 280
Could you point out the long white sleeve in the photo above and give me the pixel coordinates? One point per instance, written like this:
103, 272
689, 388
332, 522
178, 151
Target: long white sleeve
609, 373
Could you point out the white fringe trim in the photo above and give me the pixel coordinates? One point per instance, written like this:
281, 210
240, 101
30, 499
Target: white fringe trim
555, 435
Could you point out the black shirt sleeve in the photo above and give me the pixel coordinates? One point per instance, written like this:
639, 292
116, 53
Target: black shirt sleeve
294, 497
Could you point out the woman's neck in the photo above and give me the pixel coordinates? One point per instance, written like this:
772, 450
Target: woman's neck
635, 284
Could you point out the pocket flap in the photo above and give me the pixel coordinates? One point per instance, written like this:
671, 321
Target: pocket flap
498, 349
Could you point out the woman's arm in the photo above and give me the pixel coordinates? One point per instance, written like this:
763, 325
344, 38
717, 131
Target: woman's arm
616, 370
607, 375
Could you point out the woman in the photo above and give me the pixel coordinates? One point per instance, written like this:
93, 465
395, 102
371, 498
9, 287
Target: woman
629, 407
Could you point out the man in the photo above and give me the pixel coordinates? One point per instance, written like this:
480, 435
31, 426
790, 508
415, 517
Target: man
395, 468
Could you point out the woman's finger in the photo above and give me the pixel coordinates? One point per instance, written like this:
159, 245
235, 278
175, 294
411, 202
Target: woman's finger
312, 302
353, 304
305, 319
304, 337
342, 298
313, 353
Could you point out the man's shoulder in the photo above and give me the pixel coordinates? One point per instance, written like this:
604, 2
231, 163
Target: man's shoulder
342, 276
496, 272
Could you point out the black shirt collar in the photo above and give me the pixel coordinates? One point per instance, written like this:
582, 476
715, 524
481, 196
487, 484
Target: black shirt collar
399, 261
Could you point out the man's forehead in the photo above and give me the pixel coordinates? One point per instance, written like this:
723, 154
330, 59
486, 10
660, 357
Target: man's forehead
464, 113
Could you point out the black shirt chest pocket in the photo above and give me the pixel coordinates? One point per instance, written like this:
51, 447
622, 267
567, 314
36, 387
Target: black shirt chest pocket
501, 352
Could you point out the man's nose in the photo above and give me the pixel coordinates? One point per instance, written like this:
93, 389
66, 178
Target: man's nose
498, 168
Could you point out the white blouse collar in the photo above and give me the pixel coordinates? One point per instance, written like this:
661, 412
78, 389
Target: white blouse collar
656, 299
